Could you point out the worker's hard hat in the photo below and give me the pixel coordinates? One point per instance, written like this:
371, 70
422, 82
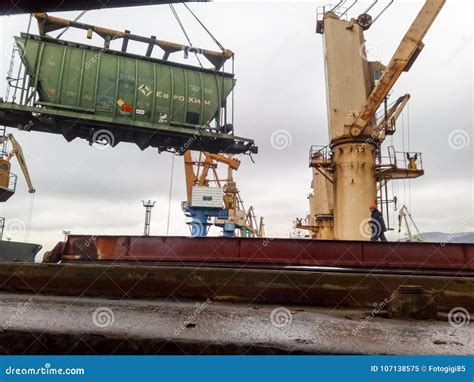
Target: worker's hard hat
373, 206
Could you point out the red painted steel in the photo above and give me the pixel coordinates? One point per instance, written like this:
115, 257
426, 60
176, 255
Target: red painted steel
267, 251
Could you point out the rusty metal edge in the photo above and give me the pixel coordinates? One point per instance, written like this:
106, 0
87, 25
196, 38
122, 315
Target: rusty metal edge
401, 255
228, 284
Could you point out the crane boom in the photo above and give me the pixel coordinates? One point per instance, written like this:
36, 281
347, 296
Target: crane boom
229, 160
200, 179
387, 123
17, 151
189, 175
404, 215
407, 52
232, 217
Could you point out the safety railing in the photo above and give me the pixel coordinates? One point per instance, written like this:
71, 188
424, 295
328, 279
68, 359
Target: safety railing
403, 159
320, 155
338, 9
12, 180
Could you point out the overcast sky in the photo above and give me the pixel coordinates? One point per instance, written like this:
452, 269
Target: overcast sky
280, 86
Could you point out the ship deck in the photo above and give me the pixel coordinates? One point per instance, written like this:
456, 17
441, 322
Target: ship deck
53, 324
89, 308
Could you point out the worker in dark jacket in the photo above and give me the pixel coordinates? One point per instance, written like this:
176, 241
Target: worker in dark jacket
377, 224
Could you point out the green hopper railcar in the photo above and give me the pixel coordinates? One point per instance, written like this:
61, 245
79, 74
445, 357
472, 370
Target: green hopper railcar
83, 91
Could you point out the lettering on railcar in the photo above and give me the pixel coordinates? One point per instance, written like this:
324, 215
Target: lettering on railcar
182, 98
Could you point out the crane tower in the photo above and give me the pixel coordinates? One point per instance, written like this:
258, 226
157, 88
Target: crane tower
349, 174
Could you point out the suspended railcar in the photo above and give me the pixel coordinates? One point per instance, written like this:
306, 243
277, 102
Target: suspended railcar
109, 96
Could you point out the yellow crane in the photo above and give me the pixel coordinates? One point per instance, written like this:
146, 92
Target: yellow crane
404, 216
7, 178
227, 208
349, 174
254, 227
197, 171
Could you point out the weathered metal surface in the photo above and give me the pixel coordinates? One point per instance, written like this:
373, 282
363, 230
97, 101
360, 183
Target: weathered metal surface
412, 301
127, 88
47, 24
403, 58
280, 286
355, 89
56, 325
267, 251
15, 251
100, 95
71, 125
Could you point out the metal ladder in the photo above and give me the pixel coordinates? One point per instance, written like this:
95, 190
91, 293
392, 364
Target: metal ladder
3, 153
3, 142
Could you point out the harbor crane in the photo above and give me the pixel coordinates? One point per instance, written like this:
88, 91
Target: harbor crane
209, 196
8, 180
350, 174
404, 216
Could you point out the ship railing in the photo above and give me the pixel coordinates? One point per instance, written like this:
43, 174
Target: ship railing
337, 9
410, 160
12, 180
320, 155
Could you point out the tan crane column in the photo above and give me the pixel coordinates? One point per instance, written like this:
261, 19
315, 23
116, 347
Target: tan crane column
348, 85
321, 207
